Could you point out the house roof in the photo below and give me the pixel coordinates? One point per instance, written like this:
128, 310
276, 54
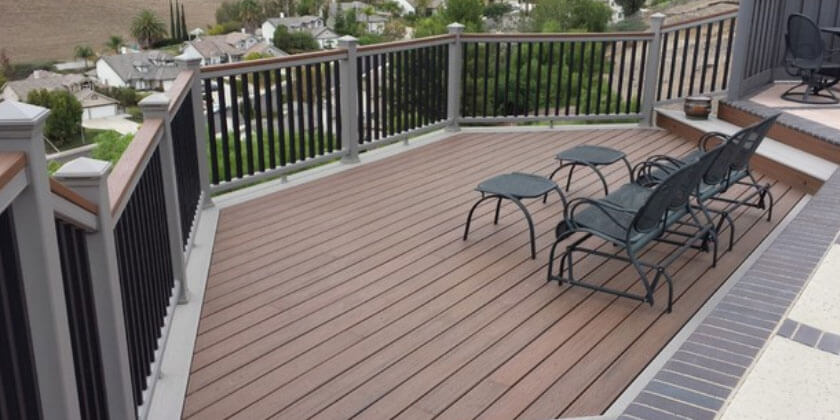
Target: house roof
323, 32
293, 21
43, 79
158, 65
91, 98
220, 45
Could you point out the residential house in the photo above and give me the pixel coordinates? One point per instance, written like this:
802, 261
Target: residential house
374, 23
325, 36
94, 104
147, 70
229, 48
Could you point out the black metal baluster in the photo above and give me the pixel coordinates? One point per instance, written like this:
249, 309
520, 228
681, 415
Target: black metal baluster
612, 74
328, 90
373, 101
237, 139
486, 76
475, 80
496, 79
705, 58
249, 133
620, 92
548, 78
560, 64
310, 110
422, 85
393, 115
662, 59
301, 121
386, 91
290, 112
569, 77
717, 54
281, 117
728, 54
695, 54
684, 61
674, 50
641, 83
516, 87
464, 67
360, 95
600, 78
337, 93
405, 109
211, 131
589, 81
527, 109
579, 97
319, 108
627, 106
270, 118
508, 58
538, 80
259, 123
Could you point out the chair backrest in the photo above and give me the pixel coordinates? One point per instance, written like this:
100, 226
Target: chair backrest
747, 141
803, 38
673, 192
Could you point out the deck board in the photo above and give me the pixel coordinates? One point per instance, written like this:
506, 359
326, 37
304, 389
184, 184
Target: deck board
355, 295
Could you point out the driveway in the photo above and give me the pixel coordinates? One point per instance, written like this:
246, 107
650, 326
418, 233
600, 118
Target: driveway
118, 123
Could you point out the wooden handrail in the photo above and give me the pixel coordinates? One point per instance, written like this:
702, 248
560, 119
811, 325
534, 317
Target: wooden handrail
62, 191
11, 163
404, 43
569, 35
274, 60
709, 18
130, 165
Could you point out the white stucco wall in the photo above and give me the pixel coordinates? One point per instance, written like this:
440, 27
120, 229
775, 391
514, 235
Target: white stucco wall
268, 31
99, 112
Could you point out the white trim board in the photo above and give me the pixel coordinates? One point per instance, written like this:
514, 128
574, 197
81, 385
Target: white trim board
774, 150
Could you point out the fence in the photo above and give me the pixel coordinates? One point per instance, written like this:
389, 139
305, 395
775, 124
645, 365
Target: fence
104, 266
87, 307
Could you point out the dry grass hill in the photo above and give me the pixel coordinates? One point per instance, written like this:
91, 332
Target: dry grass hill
49, 29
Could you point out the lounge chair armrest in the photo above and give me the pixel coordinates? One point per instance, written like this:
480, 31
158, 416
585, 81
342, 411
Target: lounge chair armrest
666, 164
703, 143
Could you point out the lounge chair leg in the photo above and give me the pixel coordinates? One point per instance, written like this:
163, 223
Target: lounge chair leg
772, 202
498, 207
569, 179
551, 259
670, 288
724, 215
567, 255
551, 177
642, 276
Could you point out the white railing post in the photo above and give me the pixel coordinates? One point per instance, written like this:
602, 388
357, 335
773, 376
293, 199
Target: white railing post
651, 81
348, 78
21, 130
157, 106
197, 91
456, 64
89, 178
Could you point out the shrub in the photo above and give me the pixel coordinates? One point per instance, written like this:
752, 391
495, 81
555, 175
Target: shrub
110, 145
294, 42
64, 124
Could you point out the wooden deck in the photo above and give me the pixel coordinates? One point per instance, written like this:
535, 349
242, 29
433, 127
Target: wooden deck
354, 295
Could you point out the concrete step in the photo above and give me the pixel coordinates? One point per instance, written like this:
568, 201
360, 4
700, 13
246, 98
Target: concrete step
797, 167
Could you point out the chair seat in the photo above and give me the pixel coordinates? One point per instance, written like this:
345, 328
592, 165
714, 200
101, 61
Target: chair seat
595, 155
518, 185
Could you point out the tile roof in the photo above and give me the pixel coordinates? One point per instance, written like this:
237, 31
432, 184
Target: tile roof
160, 66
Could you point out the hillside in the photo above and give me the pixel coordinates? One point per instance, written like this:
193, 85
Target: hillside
49, 29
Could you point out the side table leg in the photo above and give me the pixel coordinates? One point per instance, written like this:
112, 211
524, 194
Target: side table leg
530, 225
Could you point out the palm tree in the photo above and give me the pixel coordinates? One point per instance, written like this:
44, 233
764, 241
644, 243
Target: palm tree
114, 43
250, 14
147, 28
85, 52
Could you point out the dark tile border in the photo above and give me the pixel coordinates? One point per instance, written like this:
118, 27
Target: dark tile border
811, 127
709, 365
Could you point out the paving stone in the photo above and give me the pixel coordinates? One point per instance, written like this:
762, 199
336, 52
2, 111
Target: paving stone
830, 343
807, 335
697, 385
675, 407
717, 354
788, 327
709, 363
701, 373
684, 395
759, 333
647, 413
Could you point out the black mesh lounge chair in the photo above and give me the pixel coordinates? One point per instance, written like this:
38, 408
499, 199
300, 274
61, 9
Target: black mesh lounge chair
631, 218
806, 58
733, 167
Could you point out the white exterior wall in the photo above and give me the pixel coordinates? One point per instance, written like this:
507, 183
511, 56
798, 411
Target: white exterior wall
268, 31
10, 94
102, 111
107, 75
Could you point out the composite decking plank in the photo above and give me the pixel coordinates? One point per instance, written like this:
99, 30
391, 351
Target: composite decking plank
456, 240
498, 238
395, 315
534, 384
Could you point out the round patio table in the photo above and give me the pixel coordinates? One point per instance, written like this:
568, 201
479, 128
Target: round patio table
592, 157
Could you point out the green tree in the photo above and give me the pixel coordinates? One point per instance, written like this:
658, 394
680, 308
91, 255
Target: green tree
224, 28
294, 42
630, 7
255, 56
147, 28
347, 24
65, 120
496, 11
110, 145
467, 12
171, 19
114, 43
394, 30
569, 15
85, 52
250, 14
432, 25
227, 12
185, 35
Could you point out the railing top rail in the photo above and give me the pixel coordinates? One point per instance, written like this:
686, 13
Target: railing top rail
701, 20
573, 36
228, 69
66, 193
410, 43
11, 163
179, 90
128, 169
